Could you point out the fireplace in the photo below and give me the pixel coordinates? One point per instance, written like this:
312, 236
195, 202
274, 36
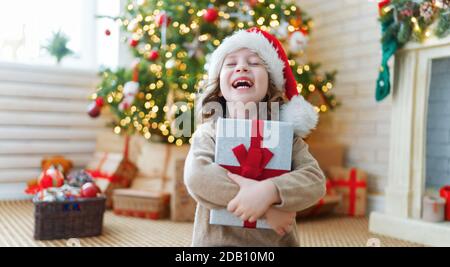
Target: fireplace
419, 158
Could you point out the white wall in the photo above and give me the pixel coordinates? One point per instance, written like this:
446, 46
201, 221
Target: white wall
346, 38
42, 113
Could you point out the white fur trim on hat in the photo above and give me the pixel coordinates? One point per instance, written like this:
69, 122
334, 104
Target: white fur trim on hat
257, 43
301, 114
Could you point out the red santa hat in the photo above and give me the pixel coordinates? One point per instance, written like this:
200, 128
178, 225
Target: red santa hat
297, 111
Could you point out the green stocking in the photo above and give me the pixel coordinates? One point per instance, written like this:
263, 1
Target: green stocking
389, 47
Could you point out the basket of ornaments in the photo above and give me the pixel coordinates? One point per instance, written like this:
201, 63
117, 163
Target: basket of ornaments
66, 207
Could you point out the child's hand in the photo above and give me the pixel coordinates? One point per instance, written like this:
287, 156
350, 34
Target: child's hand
253, 199
280, 221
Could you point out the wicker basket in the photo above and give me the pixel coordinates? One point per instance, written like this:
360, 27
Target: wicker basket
68, 219
139, 203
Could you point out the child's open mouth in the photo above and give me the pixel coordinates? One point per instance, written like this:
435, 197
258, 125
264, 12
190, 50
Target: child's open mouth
242, 83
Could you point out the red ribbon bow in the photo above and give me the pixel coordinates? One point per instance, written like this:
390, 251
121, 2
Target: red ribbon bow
252, 161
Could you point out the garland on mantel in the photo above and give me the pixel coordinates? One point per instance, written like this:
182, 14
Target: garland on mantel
408, 20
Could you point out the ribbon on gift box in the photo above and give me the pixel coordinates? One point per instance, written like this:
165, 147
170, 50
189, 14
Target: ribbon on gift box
99, 174
253, 162
352, 183
445, 193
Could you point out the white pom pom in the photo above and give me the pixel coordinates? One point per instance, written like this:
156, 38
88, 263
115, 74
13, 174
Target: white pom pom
301, 113
298, 42
130, 90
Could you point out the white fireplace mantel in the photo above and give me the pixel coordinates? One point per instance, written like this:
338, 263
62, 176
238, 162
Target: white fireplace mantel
406, 176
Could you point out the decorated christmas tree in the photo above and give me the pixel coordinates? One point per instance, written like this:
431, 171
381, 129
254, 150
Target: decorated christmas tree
172, 40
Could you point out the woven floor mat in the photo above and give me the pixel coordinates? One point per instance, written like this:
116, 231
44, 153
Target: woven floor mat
17, 222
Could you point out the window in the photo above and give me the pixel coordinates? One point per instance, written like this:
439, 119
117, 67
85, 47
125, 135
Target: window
26, 26
108, 46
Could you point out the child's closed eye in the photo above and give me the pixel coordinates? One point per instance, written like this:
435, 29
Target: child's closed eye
254, 61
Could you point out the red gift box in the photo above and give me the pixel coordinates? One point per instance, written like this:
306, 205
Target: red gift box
445, 193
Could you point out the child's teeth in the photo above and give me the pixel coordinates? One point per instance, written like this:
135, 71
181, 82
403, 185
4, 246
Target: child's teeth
238, 84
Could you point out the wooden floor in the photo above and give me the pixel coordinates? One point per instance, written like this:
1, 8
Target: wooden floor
16, 229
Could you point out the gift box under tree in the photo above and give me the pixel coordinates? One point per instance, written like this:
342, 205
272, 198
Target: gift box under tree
148, 197
155, 160
351, 183
153, 173
255, 149
182, 205
112, 171
141, 203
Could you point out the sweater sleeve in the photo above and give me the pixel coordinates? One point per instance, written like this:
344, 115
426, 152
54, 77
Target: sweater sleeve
206, 181
304, 185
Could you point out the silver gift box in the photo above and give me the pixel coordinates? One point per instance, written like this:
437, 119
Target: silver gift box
277, 137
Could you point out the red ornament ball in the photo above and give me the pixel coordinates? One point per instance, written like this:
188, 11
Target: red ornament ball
153, 55
161, 18
107, 32
134, 42
252, 3
99, 101
89, 190
211, 15
93, 110
51, 177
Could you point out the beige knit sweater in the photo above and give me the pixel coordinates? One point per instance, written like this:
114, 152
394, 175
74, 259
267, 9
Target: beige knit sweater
209, 185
